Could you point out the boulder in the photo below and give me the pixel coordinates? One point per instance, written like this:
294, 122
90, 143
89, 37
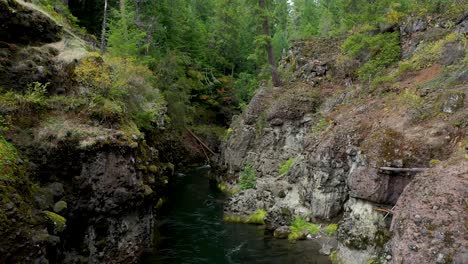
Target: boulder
429, 221
282, 232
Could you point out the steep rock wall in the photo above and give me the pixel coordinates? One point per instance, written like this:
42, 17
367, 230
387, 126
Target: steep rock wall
340, 134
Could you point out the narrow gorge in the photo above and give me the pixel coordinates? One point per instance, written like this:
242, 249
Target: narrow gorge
144, 132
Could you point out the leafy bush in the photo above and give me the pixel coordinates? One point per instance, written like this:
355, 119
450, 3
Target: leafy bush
300, 225
286, 166
93, 72
247, 179
376, 51
258, 217
119, 89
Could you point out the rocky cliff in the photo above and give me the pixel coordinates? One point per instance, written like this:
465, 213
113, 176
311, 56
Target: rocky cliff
78, 178
331, 148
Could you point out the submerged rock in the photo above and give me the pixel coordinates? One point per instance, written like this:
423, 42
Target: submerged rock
282, 232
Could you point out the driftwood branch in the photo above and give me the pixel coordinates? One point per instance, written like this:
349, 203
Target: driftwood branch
402, 169
200, 141
385, 210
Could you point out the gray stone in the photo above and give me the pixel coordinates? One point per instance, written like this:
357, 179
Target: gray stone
462, 27
282, 232
452, 102
326, 249
440, 258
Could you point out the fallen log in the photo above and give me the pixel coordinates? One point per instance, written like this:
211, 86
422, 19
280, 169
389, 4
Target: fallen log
200, 141
402, 169
385, 210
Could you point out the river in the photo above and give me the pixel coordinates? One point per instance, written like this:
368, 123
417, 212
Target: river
190, 229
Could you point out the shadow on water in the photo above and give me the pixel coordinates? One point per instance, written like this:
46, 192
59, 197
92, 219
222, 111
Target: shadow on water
191, 230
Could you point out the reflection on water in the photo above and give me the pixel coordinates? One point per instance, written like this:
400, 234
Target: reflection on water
191, 230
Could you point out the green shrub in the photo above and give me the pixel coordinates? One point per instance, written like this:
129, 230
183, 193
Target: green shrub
258, 217
286, 166
331, 229
247, 179
300, 225
376, 51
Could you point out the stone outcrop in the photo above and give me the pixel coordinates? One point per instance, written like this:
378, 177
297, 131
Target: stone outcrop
338, 145
429, 221
25, 26
82, 191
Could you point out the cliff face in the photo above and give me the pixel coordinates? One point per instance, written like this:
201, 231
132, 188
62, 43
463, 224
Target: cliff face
330, 148
78, 180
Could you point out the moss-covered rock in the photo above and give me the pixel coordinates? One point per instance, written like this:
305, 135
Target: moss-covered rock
59, 222
60, 206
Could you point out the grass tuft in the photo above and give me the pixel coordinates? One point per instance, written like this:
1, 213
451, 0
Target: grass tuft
286, 166
331, 229
300, 225
258, 217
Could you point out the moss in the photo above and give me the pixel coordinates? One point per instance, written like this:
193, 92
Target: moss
153, 169
434, 162
331, 229
335, 258
233, 219
374, 261
147, 190
322, 125
57, 220
8, 157
258, 217
360, 243
381, 237
228, 134
60, 206
286, 166
160, 203
300, 225
225, 189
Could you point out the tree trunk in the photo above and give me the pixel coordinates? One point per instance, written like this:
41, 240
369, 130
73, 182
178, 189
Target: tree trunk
269, 47
104, 25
